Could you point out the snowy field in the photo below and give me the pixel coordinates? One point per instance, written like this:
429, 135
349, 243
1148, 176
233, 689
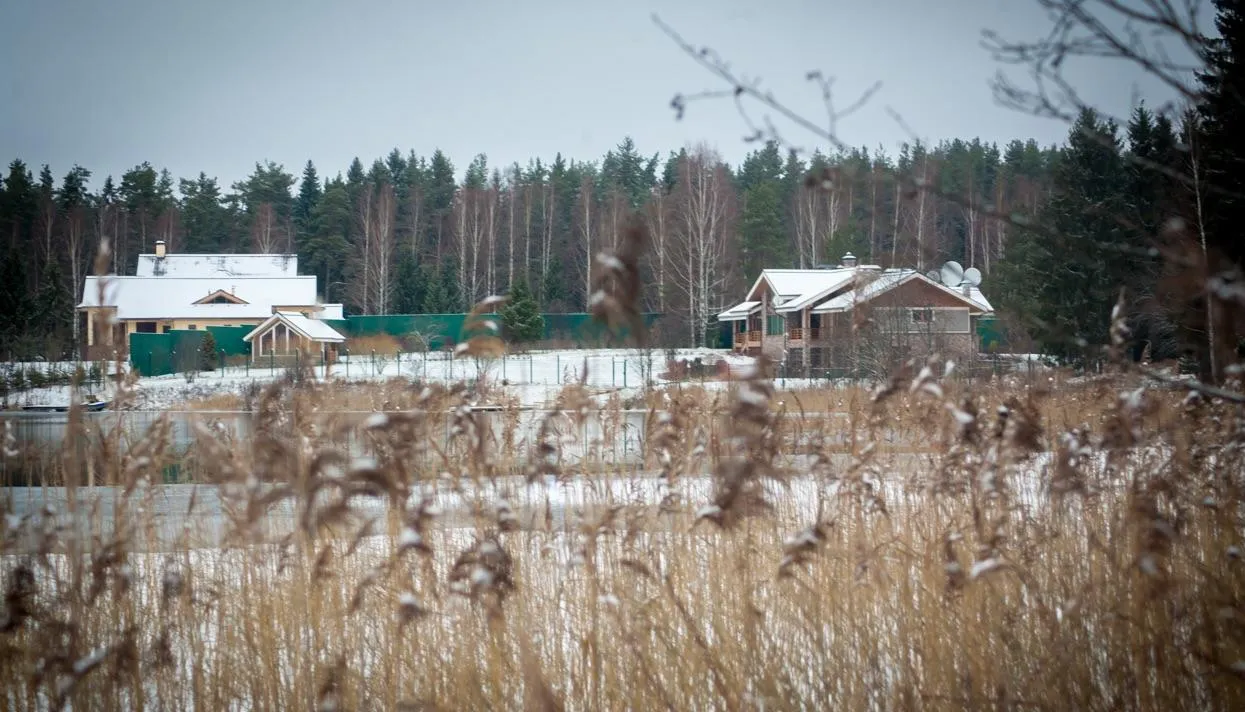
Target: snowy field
533, 378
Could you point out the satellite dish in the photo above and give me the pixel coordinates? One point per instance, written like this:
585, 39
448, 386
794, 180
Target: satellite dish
972, 275
933, 275
952, 273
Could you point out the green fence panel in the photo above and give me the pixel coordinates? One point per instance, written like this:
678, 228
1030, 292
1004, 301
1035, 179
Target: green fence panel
151, 354
163, 354
229, 339
989, 335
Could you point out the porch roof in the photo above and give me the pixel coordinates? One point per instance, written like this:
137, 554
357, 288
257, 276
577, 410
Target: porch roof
312, 329
740, 311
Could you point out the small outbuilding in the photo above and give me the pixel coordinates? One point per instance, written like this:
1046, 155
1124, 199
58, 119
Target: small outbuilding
288, 334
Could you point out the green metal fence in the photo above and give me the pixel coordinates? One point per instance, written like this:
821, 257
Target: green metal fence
178, 351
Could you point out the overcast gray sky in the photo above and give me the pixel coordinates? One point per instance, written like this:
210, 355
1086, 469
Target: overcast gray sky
217, 85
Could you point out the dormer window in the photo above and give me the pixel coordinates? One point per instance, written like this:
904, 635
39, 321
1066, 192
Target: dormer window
220, 296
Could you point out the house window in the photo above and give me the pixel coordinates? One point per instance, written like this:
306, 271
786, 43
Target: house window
145, 327
165, 329
922, 316
774, 325
193, 327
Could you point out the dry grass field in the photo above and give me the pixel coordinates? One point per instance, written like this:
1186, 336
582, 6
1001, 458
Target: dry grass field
929, 545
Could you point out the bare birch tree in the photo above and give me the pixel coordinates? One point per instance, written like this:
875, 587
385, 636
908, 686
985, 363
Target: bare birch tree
265, 231
366, 223
703, 215
658, 212
379, 257
587, 242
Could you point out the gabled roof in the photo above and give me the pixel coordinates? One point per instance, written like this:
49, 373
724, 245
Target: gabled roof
221, 294
842, 287
891, 279
174, 297
793, 282
211, 265
313, 329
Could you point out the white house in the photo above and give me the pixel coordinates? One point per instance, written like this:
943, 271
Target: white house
187, 291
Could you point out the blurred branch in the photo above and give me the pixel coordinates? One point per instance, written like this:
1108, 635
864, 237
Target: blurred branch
765, 130
1080, 32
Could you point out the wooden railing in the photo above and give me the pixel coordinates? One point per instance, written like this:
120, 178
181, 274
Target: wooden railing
797, 334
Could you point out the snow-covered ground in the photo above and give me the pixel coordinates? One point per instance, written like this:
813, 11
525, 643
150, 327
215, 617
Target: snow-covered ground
533, 378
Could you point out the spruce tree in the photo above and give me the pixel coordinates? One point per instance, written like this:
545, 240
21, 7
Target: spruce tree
410, 286
1062, 281
1222, 148
520, 317
207, 352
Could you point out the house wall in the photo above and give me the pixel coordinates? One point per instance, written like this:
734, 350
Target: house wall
918, 293
941, 320
131, 325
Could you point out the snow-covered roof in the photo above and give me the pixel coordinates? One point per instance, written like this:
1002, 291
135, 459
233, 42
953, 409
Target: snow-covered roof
313, 329
791, 283
739, 312
331, 311
888, 280
842, 287
832, 281
174, 297
212, 265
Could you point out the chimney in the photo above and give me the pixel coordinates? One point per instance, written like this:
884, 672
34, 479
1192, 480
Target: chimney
849, 260
159, 248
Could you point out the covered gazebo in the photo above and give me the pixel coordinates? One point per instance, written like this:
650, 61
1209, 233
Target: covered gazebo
290, 333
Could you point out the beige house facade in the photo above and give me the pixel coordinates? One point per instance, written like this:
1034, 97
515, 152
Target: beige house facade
191, 292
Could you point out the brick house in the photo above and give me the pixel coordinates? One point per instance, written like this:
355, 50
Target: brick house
850, 318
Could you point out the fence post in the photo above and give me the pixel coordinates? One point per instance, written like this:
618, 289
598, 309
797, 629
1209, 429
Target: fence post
272, 364
531, 368
503, 367
624, 374
173, 361
613, 372
558, 366
221, 365
373, 362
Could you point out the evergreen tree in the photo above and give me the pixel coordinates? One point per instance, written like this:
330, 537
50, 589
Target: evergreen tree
1222, 149
16, 307
207, 352
410, 286
205, 219
1223, 127
442, 295
1063, 281
521, 320
761, 232
442, 188
309, 194
53, 309
328, 247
